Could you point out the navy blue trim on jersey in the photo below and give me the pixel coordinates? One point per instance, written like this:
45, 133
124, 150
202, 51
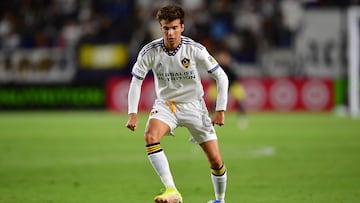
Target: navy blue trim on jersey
170, 53
136, 76
186, 40
150, 46
161, 43
214, 69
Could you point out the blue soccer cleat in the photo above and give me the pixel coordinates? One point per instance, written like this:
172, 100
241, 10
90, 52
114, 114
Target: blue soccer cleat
215, 201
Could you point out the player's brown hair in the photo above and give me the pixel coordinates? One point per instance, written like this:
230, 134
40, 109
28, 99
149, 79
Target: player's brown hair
170, 13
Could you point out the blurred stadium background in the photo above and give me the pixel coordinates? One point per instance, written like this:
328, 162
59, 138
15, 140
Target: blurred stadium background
62, 59
66, 54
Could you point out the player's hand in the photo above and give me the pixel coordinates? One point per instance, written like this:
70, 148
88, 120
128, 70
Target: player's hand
132, 122
218, 118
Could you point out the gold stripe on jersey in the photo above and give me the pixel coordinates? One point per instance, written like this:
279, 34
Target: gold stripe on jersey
153, 148
219, 172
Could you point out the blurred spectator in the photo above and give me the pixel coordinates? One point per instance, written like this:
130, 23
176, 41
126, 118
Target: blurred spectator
292, 12
70, 34
9, 38
246, 27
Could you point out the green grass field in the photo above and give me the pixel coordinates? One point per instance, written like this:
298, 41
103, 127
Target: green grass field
90, 157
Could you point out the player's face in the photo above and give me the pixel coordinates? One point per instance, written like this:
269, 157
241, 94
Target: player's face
171, 31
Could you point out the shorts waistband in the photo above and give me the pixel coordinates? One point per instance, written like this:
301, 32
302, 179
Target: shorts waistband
172, 104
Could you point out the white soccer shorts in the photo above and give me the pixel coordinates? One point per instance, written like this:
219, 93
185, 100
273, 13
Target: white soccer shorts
193, 115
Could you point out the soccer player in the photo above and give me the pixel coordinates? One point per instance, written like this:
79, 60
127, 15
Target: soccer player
175, 61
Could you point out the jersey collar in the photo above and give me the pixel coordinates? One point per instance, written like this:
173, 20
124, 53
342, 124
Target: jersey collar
171, 53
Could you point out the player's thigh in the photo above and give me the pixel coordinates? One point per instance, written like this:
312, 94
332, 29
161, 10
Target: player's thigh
155, 130
161, 122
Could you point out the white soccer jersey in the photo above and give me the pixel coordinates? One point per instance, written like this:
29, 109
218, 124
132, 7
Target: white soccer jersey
176, 73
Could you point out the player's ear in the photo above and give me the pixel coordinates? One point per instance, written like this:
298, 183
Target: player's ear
182, 27
161, 25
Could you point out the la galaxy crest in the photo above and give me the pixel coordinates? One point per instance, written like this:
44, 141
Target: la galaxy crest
185, 62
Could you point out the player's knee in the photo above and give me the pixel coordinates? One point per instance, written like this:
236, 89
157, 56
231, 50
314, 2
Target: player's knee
150, 138
216, 163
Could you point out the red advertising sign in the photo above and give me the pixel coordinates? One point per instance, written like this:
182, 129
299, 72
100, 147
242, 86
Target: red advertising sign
288, 94
280, 94
117, 94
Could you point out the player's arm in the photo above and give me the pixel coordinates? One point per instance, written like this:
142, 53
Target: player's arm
218, 118
133, 102
132, 122
222, 85
138, 72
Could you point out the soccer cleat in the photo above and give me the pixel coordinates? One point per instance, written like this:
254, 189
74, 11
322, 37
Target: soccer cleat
170, 195
215, 201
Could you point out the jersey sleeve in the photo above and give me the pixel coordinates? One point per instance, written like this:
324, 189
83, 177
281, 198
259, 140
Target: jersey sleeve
134, 95
222, 86
139, 71
207, 61
141, 66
